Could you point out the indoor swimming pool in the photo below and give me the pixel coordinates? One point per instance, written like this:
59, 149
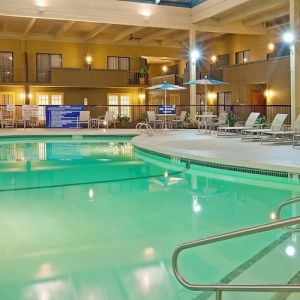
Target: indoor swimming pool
93, 218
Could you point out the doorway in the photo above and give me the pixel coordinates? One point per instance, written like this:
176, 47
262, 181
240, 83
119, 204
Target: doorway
258, 100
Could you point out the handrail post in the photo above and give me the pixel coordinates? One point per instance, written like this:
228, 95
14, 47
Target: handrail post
218, 295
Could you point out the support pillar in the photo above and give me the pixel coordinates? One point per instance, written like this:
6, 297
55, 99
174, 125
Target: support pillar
295, 60
192, 44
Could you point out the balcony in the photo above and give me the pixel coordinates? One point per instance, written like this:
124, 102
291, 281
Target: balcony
6, 75
71, 77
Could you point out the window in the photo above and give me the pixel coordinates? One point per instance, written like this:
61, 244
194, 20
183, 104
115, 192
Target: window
280, 50
44, 63
224, 101
7, 98
6, 66
118, 63
44, 99
242, 57
119, 104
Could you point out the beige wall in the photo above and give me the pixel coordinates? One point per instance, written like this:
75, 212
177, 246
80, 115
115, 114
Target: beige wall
274, 73
74, 54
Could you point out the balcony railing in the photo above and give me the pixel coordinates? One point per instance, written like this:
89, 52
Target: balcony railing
6, 75
137, 113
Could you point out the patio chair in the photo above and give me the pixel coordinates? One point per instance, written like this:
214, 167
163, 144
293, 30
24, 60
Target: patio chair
286, 133
84, 118
107, 119
256, 134
249, 124
151, 119
296, 138
179, 121
220, 121
205, 122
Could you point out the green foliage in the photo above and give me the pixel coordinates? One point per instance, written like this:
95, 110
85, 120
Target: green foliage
123, 120
231, 119
143, 69
143, 117
262, 120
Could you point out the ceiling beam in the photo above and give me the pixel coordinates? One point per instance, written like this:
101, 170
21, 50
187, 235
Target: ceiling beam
96, 31
212, 8
208, 36
235, 28
156, 35
177, 38
64, 29
103, 11
251, 9
126, 33
267, 17
29, 26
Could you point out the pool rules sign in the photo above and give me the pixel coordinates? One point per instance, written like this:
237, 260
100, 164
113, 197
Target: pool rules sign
62, 116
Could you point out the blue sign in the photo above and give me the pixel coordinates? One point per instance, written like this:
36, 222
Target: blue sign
167, 109
61, 116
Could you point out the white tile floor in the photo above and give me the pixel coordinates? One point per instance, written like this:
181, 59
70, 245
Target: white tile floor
226, 150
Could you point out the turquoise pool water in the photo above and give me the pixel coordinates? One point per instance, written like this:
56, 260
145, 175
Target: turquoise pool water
95, 219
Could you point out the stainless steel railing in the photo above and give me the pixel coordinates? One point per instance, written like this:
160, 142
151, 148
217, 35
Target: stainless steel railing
220, 288
281, 206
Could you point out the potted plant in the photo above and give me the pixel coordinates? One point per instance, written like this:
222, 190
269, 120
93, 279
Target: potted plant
124, 120
262, 121
143, 72
231, 119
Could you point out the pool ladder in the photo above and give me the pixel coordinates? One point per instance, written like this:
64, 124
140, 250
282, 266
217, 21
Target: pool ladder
144, 127
220, 288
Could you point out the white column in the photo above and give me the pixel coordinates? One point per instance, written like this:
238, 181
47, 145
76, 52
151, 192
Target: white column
192, 39
295, 60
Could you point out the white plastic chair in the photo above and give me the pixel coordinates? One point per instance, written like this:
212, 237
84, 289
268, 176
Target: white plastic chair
84, 118
151, 119
107, 119
180, 120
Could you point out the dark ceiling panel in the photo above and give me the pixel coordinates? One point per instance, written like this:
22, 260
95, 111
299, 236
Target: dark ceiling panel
180, 3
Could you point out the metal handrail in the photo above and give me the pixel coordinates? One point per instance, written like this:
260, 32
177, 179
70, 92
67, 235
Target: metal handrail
148, 128
281, 206
219, 288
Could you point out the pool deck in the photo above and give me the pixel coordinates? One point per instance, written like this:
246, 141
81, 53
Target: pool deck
190, 144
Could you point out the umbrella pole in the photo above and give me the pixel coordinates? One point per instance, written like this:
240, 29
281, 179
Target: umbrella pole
205, 107
166, 109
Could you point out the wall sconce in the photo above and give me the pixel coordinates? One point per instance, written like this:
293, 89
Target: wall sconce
269, 93
164, 69
89, 60
142, 97
211, 96
213, 59
26, 97
271, 47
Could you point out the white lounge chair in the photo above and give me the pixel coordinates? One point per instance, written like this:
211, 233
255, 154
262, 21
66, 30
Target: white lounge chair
84, 118
296, 138
249, 124
254, 134
151, 119
179, 121
107, 119
284, 135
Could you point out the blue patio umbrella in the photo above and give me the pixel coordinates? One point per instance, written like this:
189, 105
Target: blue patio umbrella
166, 87
206, 81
